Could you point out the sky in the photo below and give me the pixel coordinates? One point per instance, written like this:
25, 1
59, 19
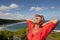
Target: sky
23, 9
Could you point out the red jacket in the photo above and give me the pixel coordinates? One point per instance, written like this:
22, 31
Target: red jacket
42, 33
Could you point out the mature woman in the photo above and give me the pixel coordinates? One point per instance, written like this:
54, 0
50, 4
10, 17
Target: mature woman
38, 30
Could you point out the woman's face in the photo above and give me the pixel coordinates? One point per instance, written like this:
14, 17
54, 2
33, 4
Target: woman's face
38, 20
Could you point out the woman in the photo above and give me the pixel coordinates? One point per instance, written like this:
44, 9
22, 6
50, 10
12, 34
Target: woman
38, 30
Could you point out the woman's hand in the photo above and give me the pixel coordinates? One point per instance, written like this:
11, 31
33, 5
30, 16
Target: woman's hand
29, 20
54, 21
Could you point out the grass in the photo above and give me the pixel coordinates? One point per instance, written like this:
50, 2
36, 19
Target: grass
54, 36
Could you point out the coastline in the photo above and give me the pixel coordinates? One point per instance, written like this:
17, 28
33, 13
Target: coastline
56, 30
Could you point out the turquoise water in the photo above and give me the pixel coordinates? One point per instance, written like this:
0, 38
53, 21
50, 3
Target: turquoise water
24, 25
16, 27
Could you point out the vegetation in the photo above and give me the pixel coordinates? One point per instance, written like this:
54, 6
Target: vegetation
55, 36
8, 34
23, 32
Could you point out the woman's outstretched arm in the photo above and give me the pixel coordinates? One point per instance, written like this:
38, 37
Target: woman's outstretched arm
49, 26
30, 24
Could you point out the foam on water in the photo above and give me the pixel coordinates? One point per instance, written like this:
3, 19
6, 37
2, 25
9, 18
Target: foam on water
57, 30
1, 28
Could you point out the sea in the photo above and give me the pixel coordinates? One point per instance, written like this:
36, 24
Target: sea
16, 26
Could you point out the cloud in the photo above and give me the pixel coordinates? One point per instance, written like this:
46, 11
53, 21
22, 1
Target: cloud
32, 8
52, 7
11, 6
5, 12
36, 9
12, 16
4, 7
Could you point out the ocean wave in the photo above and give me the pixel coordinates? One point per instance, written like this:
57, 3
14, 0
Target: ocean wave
1, 28
56, 30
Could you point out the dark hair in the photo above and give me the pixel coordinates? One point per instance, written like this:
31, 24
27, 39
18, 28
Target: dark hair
42, 18
37, 15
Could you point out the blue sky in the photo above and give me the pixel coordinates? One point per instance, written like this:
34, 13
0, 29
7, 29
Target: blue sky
20, 9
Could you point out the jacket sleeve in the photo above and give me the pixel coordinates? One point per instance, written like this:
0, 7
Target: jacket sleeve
30, 24
47, 28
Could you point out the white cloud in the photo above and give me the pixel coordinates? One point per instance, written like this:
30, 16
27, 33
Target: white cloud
32, 8
12, 16
11, 6
4, 7
7, 14
52, 7
36, 8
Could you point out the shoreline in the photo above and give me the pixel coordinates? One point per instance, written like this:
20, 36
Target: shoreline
56, 30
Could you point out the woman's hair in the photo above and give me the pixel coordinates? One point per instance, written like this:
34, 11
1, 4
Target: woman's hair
37, 15
42, 18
